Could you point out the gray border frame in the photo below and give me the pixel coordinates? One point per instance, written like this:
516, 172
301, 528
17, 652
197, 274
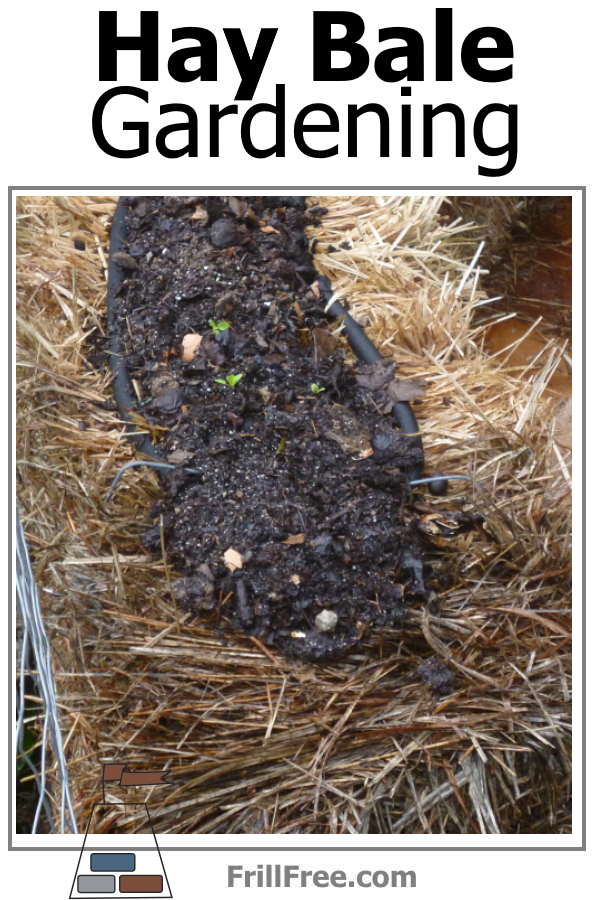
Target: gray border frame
311, 189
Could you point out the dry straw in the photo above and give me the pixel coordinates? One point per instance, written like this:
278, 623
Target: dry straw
256, 743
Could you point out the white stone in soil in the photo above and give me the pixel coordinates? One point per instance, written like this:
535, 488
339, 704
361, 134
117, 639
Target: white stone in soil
326, 620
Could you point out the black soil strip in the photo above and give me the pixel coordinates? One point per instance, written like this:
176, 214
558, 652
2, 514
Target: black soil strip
295, 525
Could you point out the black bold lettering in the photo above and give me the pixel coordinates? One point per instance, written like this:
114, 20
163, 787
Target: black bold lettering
324, 45
206, 52
443, 44
109, 43
249, 67
413, 52
471, 53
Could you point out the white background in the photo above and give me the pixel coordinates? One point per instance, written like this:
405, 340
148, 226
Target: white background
49, 63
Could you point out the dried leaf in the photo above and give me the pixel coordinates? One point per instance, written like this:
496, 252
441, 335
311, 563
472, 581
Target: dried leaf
405, 389
379, 378
376, 375
325, 342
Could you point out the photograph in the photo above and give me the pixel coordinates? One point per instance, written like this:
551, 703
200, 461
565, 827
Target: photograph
293, 516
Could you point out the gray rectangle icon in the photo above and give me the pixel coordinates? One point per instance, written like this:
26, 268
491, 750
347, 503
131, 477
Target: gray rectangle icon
112, 862
96, 884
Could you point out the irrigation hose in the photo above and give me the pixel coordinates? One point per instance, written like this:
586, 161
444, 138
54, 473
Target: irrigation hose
366, 351
122, 387
362, 347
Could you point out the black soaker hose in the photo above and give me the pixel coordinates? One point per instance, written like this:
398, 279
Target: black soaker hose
122, 388
365, 350
361, 345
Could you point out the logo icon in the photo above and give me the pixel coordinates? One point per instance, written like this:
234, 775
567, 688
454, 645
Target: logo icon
126, 862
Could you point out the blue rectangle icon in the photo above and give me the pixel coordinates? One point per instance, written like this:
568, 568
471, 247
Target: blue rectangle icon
112, 862
96, 884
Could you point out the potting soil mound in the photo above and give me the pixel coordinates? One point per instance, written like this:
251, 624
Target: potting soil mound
295, 524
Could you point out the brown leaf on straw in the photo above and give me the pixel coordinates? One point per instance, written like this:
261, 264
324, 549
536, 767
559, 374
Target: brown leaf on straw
405, 389
379, 377
376, 375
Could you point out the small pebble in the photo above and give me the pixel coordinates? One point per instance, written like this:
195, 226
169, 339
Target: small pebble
224, 233
169, 401
326, 620
124, 261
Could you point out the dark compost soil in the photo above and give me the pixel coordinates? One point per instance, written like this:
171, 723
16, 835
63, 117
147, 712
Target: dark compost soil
300, 469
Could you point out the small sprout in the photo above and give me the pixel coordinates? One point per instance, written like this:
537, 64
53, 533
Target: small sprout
218, 325
280, 446
230, 380
316, 388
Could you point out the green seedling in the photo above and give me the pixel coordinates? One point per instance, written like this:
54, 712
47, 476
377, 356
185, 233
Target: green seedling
230, 380
219, 325
316, 388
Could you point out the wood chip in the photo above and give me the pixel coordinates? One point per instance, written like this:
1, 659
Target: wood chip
190, 346
233, 559
200, 215
178, 457
294, 539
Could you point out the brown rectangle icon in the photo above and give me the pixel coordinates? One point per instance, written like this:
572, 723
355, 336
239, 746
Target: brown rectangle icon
112, 771
136, 779
138, 884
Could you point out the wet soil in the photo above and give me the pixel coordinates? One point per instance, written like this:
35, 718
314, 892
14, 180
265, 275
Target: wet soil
295, 525
533, 273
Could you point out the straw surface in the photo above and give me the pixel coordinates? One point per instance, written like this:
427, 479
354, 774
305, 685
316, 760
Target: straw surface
256, 743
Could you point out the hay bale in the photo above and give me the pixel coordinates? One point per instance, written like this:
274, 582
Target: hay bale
256, 743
